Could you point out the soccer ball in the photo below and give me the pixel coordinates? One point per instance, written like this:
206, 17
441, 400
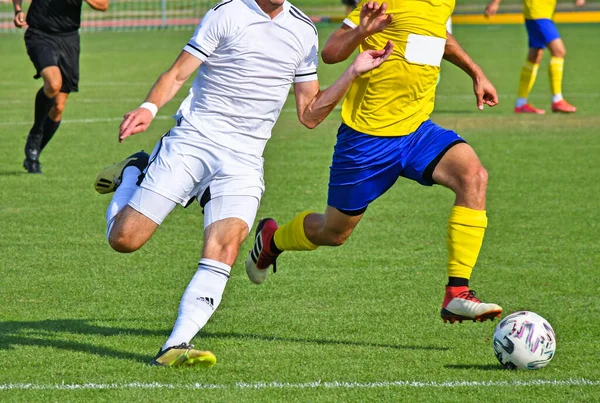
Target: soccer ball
524, 340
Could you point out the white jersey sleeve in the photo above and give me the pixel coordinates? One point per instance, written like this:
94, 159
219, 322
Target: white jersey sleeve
307, 71
215, 27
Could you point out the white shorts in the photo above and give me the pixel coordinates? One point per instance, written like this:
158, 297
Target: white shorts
185, 164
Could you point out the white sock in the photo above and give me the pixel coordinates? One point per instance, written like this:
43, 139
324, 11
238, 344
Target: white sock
557, 97
200, 299
122, 195
521, 102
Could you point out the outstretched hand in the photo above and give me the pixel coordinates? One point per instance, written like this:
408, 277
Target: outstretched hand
373, 17
484, 92
135, 122
371, 59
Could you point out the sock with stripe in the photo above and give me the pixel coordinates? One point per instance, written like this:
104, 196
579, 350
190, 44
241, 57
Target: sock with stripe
555, 72
200, 299
291, 236
122, 195
526, 80
466, 228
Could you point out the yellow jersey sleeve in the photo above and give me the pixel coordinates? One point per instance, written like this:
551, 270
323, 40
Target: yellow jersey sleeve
353, 19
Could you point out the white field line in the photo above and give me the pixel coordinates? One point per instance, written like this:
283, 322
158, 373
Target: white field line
308, 385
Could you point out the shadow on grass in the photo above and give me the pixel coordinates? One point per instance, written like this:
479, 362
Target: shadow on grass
42, 333
50, 333
320, 341
480, 367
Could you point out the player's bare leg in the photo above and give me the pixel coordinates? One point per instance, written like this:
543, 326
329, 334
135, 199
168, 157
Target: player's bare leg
462, 172
555, 72
130, 230
307, 231
526, 81
44, 100
222, 240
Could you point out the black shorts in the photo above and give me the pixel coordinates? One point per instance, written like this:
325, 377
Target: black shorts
350, 3
60, 50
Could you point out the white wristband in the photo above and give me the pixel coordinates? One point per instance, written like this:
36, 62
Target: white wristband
151, 107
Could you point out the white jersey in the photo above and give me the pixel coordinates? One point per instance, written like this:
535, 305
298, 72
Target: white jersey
249, 64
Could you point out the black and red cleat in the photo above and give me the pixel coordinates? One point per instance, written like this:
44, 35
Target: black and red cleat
261, 256
461, 304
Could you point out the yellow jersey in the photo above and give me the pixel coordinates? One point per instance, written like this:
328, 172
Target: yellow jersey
538, 9
394, 99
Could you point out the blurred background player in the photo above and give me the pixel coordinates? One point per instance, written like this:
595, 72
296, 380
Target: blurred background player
350, 5
52, 42
542, 33
386, 133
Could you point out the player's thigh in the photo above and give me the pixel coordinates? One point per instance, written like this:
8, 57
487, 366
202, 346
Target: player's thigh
459, 166
227, 222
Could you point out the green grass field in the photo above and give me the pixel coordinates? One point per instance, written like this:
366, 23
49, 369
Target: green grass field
356, 323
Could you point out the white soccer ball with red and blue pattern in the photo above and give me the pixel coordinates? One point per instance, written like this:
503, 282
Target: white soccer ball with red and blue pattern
524, 340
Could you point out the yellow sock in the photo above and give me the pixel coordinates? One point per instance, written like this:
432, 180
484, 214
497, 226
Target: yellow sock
466, 228
555, 71
291, 236
528, 75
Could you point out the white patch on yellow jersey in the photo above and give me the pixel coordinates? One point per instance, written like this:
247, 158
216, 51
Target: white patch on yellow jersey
422, 49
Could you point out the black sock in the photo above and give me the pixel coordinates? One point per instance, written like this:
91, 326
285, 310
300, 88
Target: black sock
34, 139
50, 127
274, 247
458, 282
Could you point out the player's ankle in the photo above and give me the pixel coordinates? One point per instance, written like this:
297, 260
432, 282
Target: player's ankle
458, 282
274, 249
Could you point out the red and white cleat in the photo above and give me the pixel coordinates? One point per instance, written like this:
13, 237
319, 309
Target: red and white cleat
563, 107
527, 108
461, 304
260, 256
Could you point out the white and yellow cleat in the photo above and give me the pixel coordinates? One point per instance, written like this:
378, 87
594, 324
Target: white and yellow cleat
461, 304
109, 179
184, 355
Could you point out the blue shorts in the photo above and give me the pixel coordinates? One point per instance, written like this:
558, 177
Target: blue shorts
364, 167
541, 32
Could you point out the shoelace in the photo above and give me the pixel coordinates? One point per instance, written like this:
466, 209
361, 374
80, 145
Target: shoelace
468, 295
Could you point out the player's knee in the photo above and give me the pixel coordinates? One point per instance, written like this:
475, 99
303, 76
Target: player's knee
475, 179
560, 52
222, 252
52, 88
123, 242
335, 238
